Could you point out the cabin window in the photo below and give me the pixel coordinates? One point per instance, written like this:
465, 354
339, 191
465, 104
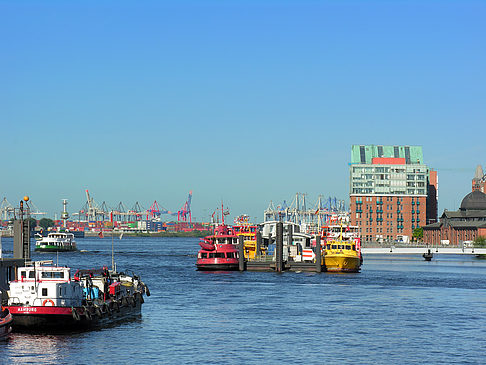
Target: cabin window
334, 247
23, 274
348, 247
53, 275
203, 255
44, 292
220, 254
328, 247
31, 275
354, 248
230, 255
212, 255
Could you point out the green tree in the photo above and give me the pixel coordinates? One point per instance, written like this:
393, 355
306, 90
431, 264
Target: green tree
46, 223
480, 241
418, 233
32, 223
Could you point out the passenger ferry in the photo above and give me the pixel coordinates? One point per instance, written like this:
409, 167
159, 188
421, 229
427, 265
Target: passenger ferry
219, 251
44, 296
56, 241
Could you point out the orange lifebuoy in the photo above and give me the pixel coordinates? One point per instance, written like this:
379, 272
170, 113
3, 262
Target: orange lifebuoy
48, 301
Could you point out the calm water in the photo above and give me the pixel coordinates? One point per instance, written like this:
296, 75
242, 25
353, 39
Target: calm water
399, 309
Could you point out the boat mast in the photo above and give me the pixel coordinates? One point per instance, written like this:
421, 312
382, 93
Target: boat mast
112, 253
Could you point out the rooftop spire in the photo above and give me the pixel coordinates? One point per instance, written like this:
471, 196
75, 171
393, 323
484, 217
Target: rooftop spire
479, 172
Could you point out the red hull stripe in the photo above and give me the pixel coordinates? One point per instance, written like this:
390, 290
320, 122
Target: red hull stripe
40, 310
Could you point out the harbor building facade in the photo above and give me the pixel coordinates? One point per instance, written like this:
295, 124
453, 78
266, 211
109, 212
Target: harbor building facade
464, 225
392, 192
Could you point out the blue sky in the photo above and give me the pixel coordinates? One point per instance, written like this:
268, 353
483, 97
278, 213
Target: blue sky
241, 101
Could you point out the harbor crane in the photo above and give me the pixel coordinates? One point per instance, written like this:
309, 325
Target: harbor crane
7, 210
91, 210
299, 213
185, 210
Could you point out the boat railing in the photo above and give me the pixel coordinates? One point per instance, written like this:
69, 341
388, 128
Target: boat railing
38, 302
14, 300
263, 257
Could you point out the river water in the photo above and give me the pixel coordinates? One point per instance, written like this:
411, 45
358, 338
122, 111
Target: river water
399, 309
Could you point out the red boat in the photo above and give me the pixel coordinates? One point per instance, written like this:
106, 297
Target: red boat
6, 320
219, 251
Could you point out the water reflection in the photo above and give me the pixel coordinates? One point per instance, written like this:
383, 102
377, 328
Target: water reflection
26, 348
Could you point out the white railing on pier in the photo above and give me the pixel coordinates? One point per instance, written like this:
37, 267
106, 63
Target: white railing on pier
421, 250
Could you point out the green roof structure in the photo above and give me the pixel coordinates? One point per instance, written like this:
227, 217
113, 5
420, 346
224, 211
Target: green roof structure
363, 154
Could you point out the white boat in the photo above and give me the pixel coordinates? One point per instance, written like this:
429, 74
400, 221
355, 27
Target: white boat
45, 297
56, 241
297, 245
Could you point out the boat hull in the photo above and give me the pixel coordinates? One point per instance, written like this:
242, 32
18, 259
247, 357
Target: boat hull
342, 263
5, 324
207, 266
54, 249
45, 319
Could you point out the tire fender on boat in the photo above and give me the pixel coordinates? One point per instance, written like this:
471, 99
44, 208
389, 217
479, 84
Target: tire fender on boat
87, 313
51, 303
147, 291
76, 315
98, 312
106, 309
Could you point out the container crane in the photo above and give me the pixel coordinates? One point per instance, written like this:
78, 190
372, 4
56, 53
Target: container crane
185, 210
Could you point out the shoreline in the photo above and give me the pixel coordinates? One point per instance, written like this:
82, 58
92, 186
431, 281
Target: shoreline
195, 234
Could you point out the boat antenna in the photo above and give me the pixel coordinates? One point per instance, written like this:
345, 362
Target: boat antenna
222, 212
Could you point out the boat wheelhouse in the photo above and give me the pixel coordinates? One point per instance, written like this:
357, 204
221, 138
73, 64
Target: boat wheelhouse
248, 231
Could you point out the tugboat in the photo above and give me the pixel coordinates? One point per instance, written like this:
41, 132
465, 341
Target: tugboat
5, 323
219, 251
44, 297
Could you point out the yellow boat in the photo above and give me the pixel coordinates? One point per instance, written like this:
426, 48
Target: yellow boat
244, 228
342, 256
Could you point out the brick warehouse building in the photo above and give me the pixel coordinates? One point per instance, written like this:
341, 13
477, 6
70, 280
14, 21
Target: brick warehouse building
465, 224
392, 191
